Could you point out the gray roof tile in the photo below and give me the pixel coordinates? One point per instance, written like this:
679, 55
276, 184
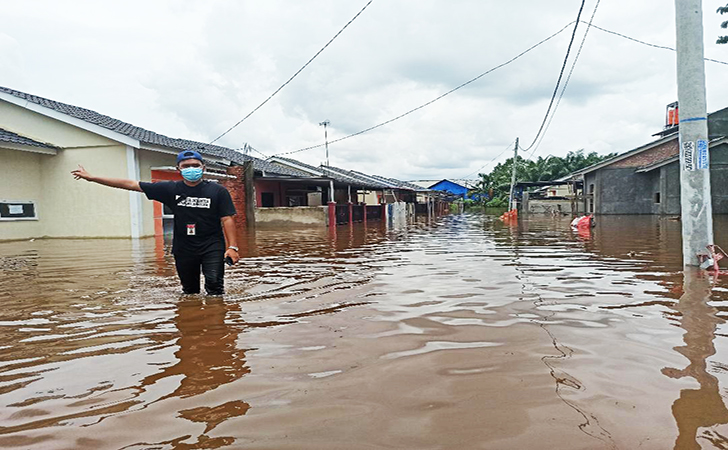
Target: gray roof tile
150, 137
12, 138
406, 185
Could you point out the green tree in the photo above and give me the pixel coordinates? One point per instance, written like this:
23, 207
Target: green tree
496, 184
723, 10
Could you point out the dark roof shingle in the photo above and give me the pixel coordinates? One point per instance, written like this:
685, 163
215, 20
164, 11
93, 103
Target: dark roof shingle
12, 138
150, 137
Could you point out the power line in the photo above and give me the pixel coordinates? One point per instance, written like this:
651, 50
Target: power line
558, 81
294, 75
435, 99
568, 78
590, 25
489, 162
650, 45
258, 151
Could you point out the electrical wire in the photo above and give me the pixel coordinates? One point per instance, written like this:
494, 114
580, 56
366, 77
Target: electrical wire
566, 82
561, 74
436, 98
590, 25
489, 162
650, 45
250, 147
294, 75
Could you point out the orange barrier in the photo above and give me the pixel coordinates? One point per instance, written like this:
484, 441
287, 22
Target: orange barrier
583, 222
508, 216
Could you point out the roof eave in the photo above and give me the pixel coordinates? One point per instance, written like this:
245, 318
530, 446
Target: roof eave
65, 118
624, 155
28, 148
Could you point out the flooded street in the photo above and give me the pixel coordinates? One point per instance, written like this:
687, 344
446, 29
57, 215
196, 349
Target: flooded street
461, 333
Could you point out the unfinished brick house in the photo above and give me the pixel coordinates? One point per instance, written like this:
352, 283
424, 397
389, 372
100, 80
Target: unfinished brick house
646, 180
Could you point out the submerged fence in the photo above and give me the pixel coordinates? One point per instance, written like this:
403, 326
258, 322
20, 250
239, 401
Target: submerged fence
374, 212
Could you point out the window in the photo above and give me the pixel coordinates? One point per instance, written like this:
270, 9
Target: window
167, 220
591, 198
657, 197
17, 210
267, 199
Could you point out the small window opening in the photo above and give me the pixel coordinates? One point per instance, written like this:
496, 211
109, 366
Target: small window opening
17, 210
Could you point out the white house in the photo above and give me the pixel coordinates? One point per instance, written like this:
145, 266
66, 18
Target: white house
42, 141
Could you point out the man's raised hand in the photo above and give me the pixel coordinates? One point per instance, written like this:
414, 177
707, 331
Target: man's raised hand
81, 173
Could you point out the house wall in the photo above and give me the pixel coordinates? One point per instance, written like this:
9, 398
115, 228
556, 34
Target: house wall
371, 197
622, 191
718, 123
670, 189
298, 216
591, 192
76, 208
341, 196
147, 160
67, 207
719, 178
267, 186
21, 180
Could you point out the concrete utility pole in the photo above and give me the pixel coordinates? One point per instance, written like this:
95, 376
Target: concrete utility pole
695, 199
513, 178
325, 124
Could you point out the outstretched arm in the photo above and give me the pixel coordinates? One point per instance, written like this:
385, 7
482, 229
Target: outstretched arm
228, 229
121, 183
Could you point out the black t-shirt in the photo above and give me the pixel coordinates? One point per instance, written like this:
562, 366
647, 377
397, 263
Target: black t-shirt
197, 212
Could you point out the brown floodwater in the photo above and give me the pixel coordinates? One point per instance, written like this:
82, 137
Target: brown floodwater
457, 333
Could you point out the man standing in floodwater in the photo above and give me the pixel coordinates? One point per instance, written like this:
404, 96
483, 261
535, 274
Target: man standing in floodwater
203, 221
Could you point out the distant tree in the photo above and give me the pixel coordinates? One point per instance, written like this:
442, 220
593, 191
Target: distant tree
483, 188
723, 10
494, 187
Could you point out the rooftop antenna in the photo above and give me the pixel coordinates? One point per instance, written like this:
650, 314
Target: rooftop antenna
325, 124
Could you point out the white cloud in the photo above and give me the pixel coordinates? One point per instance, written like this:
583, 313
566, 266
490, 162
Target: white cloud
193, 69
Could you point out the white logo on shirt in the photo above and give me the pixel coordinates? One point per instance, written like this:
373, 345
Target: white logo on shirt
193, 202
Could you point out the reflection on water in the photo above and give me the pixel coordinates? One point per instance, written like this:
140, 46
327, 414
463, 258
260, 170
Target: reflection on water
460, 332
703, 407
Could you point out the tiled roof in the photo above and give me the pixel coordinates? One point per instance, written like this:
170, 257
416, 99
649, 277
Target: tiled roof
400, 184
336, 174
350, 177
354, 177
272, 168
9, 136
150, 137
298, 163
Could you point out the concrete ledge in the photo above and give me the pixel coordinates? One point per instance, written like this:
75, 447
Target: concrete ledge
553, 207
306, 216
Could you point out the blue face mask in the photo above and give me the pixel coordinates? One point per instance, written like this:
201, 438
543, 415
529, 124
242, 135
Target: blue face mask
192, 174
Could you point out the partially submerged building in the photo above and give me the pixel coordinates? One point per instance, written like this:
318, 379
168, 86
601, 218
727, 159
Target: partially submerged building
43, 140
354, 196
646, 180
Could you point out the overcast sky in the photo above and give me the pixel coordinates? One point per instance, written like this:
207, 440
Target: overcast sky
192, 69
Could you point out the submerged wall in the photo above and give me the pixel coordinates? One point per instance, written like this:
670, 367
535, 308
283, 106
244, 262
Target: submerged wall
555, 207
295, 216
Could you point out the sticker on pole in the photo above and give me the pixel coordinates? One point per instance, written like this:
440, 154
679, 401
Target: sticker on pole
702, 155
687, 155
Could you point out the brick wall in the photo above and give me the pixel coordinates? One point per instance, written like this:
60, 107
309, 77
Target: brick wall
241, 193
651, 156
